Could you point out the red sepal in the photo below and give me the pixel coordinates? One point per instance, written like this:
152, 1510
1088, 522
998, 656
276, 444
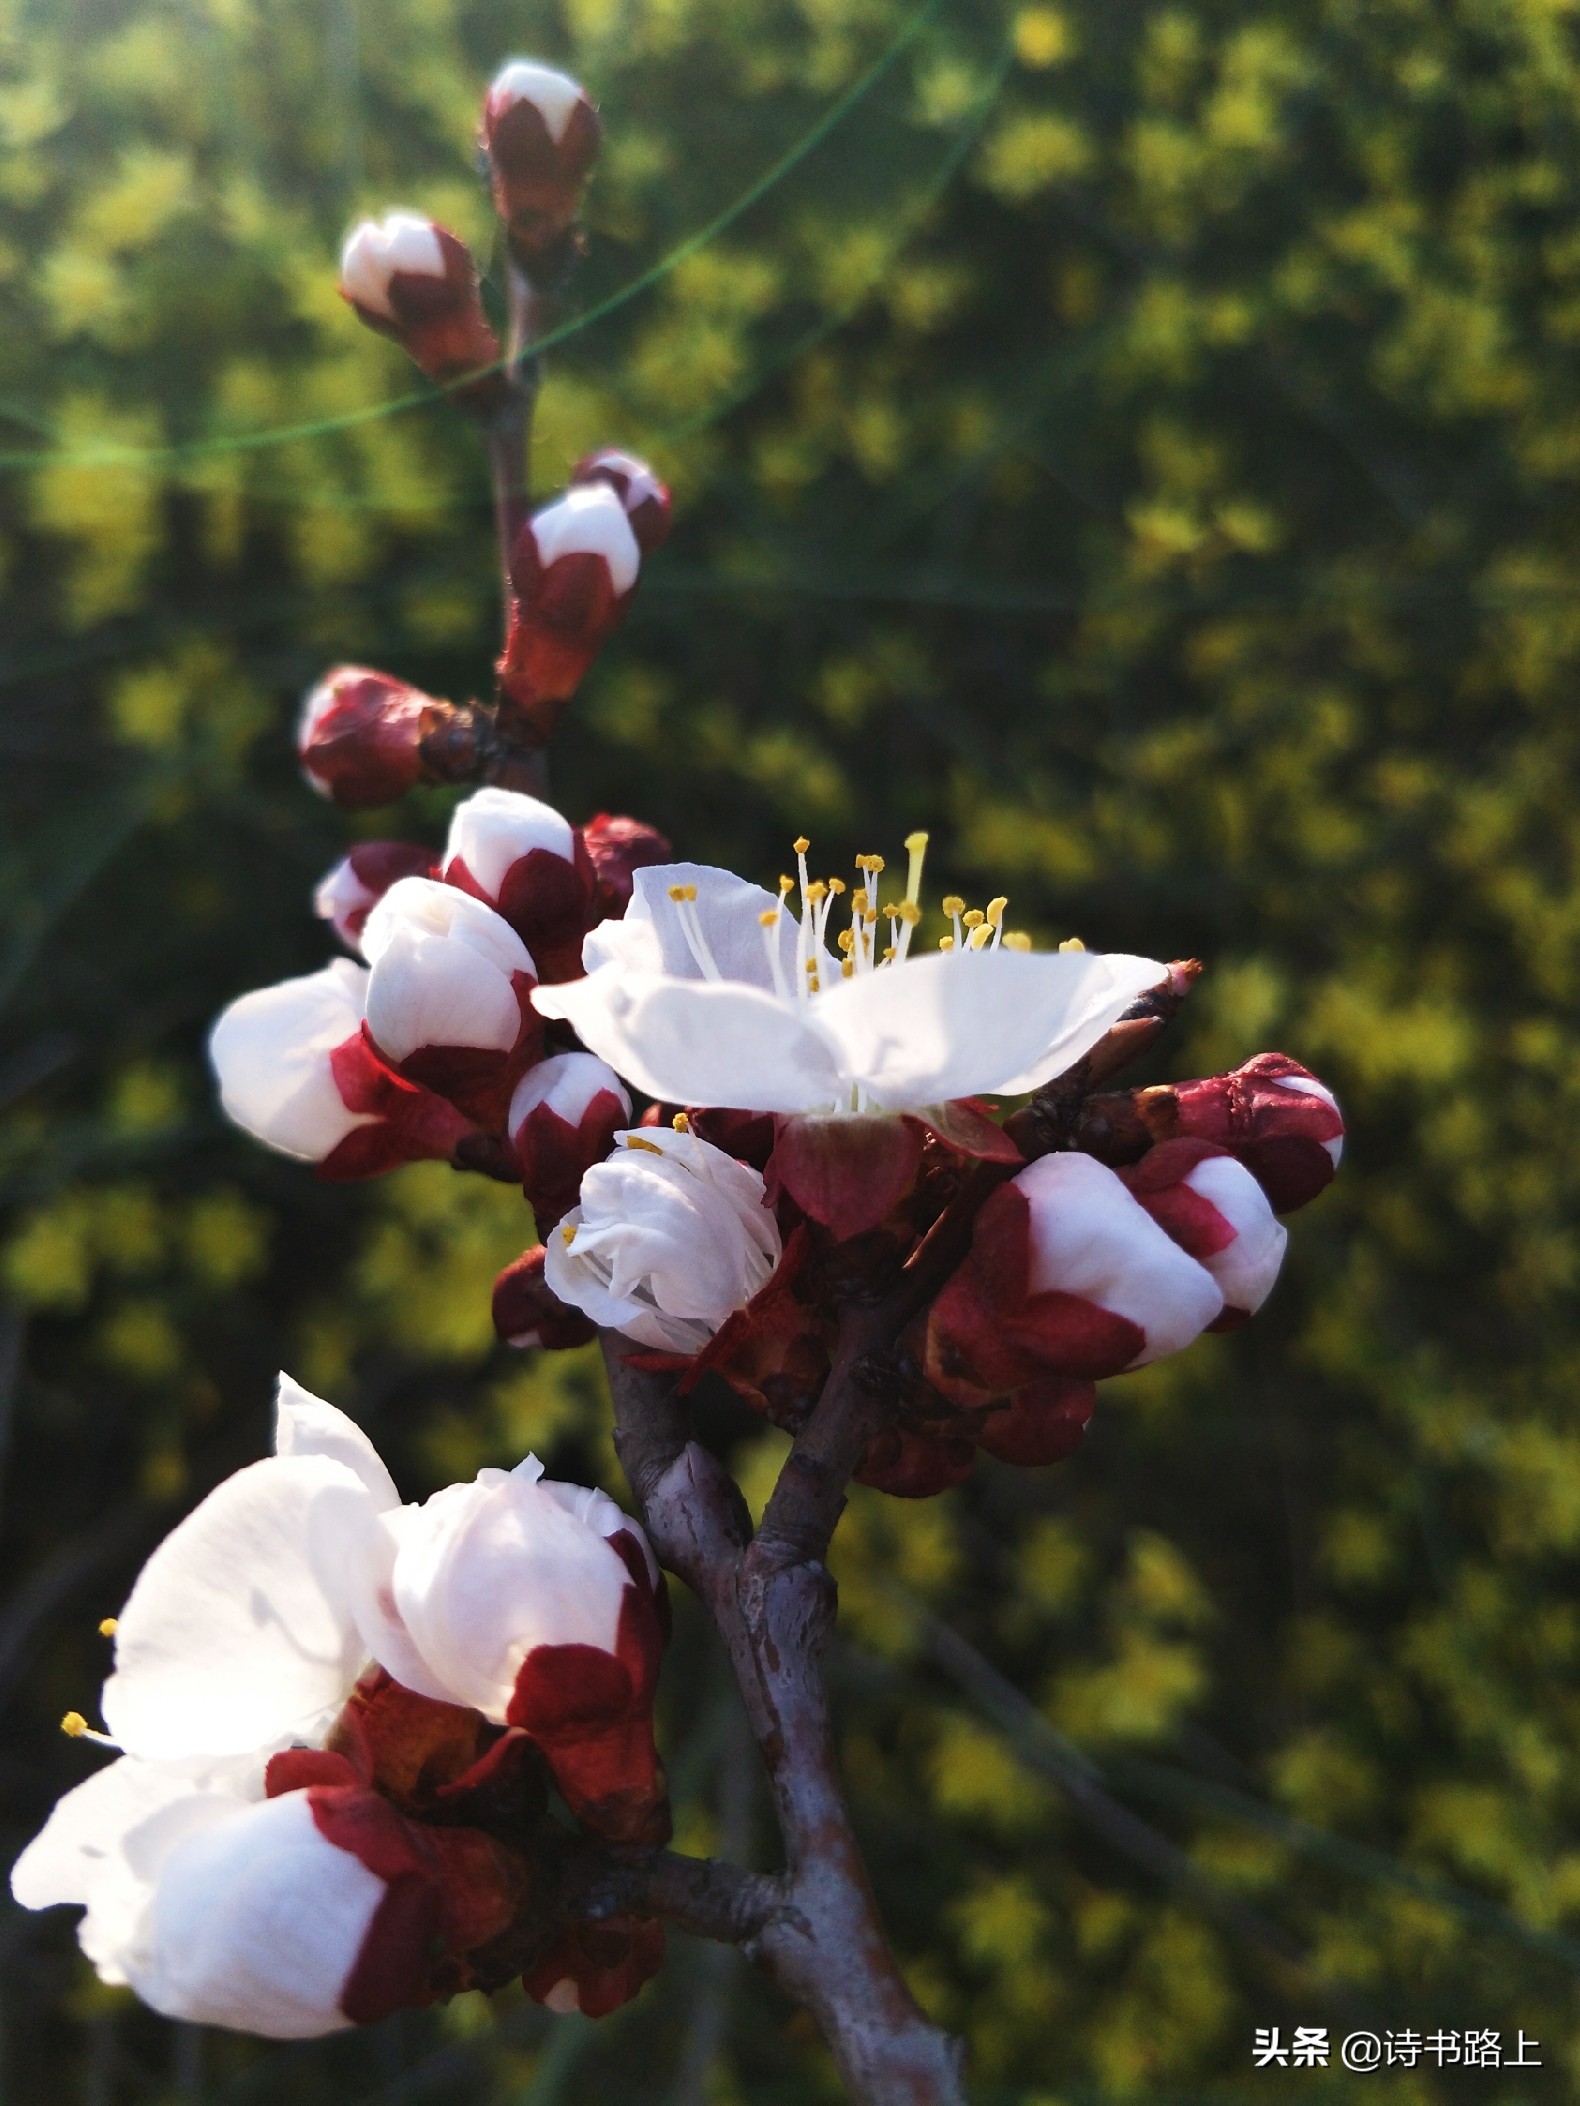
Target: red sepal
527, 1311
608, 1962
849, 1173
617, 848
1192, 1221
554, 1155
964, 1126
547, 900
559, 620
912, 1464
480, 1080
1041, 1423
439, 323
414, 1124
537, 179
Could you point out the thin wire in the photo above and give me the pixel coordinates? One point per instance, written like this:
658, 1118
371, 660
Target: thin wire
280, 435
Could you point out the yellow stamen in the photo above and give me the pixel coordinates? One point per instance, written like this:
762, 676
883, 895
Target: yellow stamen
568, 1234
647, 1147
953, 904
74, 1725
1072, 943
858, 902
888, 953
109, 1626
909, 912
786, 886
681, 1123
677, 893
836, 885
846, 940
995, 912
1016, 940
975, 919
946, 943
916, 849
981, 936
811, 966
800, 844
847, 970
769, 918
816, 891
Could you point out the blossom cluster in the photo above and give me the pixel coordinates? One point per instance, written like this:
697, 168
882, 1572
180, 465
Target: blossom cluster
338, 1719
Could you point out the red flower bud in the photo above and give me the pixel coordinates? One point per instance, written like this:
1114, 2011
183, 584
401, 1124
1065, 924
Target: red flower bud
1213, 1207
617, 849
360, 880
528, 1313
563, 1118
360, 736
541, 135
645, 498
574, 568
1283, 1124
413, 280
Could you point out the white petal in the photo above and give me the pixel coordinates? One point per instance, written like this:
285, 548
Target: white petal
232, 1639
377, 249
431, 908
589, 520
256, 1923
486, 1572
492, 829
1245, 1269
1308, 1086
1099, 987
565, 1084
425, 991
306, 1425
553, 95
698, 1042
270, 1050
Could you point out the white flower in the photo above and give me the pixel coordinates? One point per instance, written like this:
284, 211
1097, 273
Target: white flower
670, 1237
707, 992
271, 1052
376, 250
445, 970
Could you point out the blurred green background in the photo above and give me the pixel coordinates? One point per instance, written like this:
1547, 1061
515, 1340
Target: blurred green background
1140, 442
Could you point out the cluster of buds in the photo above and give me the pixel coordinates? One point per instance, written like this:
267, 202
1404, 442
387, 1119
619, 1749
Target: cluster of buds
342, 1714
429, 1045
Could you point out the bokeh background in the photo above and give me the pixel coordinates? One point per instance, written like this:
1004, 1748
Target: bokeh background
1139, 442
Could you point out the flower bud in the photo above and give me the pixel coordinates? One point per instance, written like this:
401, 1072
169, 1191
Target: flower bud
449, 996
360, 736
296, 1072
645, 498
670, 1236
618, 848
574, 568
1067, 1275
539, 1605
563, 1119
541, 136
413, 280
1213, 1207
1283, 1124
528, 1313
360, 880
527, 863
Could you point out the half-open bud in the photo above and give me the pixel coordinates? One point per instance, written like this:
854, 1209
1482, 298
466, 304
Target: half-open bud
296, 1071
1067, 1275
1214, 1208
563, 1119
670, 1237
617, 849
348, 894
1283, 1124
449, 999
360, 736
527, 1311
413, 280
540, 1605
541, 136
526, 862
645, 498
574, 568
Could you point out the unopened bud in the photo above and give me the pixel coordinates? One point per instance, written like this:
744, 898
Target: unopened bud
1213, 1207
527, 862
360, 880
415, 281
563, 1119
1283, 1124
618, 848
541, 136
361, 734
574, 568
645, 498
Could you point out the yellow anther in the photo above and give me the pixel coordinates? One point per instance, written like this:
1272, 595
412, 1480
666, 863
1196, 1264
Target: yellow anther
836, 885
946, 943
981, 936
74, 1725
845, 940
1016, 940
909, 912
691, 892
888, 953
677, 893
1072, 943
975, 919
786, 885
769, 918
858, 901
995, 912
847, 970
647, 1148
814, 985
876, 863
816, 891
568, 1234
800, 844
108, 1626
916, 844
890, 912
811, 967
953, 903
681, 1123
870, 916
